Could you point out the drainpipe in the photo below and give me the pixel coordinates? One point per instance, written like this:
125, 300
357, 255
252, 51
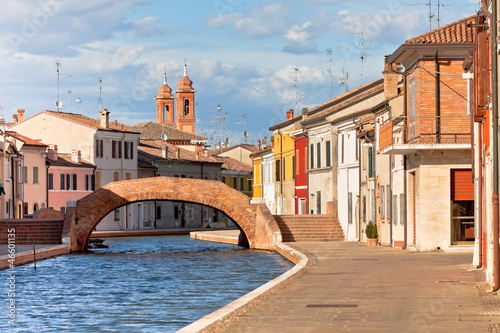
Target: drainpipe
280, 171
391, 236
494, 68
438, 111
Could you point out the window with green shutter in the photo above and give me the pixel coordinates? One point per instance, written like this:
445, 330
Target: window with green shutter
318, 153
328, 155
370, 165
312, 156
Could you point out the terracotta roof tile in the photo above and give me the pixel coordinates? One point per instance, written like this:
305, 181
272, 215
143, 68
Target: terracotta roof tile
91, 122
26, 140
252, 148
65, 160
154, 148
458, 32
153, 131
346, 98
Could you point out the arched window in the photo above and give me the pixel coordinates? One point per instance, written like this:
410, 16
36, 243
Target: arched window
165, 112
186, 107
35, 207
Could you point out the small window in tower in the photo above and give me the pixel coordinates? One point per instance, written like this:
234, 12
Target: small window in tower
186, 107
165, 113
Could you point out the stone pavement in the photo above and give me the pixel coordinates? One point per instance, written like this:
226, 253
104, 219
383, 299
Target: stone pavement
353, 287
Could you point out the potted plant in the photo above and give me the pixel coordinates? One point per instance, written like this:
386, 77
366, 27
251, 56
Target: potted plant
371, 234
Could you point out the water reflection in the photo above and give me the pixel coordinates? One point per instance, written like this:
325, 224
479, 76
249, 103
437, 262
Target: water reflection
138, 284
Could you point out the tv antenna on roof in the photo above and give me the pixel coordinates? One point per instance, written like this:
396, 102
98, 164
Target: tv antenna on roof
362, 44
79, 101
59, 104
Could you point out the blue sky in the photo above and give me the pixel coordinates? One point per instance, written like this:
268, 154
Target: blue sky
240, 53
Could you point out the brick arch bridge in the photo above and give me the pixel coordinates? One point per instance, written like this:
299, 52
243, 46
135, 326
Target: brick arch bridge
255, 221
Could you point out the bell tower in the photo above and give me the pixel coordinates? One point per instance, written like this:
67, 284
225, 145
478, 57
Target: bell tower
165, 103
185, 104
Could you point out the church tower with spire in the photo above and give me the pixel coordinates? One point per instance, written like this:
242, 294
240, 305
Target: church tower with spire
185, 104
165, 103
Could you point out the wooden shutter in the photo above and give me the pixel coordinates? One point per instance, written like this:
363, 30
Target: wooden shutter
462, 187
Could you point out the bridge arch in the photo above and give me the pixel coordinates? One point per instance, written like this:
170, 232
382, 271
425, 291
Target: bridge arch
91, 209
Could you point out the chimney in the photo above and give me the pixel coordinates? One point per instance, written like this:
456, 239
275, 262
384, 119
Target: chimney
76, 156
305, 113
177, 152
16, 120
258, 141
264, 142
391, 80
104, 118
164, 151
289, 114
52, 152
20, 114
272, 141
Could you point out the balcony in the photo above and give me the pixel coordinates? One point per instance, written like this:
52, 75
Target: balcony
406, 135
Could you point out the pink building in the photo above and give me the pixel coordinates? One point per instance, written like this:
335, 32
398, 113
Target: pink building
68, 177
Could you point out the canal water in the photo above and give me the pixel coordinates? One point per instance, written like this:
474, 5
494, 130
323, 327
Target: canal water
139, 284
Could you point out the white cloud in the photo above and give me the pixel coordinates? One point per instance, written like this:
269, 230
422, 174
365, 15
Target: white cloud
260, 21
299, 39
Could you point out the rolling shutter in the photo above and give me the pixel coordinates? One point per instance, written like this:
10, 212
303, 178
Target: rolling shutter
462, 187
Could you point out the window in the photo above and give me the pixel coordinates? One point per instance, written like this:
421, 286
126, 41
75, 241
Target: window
113, 149
51, 181
186, 107
158, 212
293, 166
357, 148
223, 179
412, 108
370, 162
117, 214
99, 147
35, 175
119, 149
63, 210
35, 207
249, 185
116, 176
395, 209
312, 156
93, 180
129, 150
7, 170
176, 212
62, 181
25, 175
382, 203
305, 159
128, 176
242, 184
318, 152
87, 183
75, 186
235, 183
278, 168
328, 155
68, 182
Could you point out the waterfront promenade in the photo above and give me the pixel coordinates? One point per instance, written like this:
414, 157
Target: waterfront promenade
357, 288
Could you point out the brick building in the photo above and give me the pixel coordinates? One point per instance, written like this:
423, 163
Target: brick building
435, 133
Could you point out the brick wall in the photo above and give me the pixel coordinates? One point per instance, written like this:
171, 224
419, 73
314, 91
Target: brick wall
42, 231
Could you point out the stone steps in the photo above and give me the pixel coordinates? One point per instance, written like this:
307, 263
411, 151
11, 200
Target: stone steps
309, 228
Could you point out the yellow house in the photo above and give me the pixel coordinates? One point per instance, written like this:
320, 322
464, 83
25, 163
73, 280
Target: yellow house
284, 164
257, 175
